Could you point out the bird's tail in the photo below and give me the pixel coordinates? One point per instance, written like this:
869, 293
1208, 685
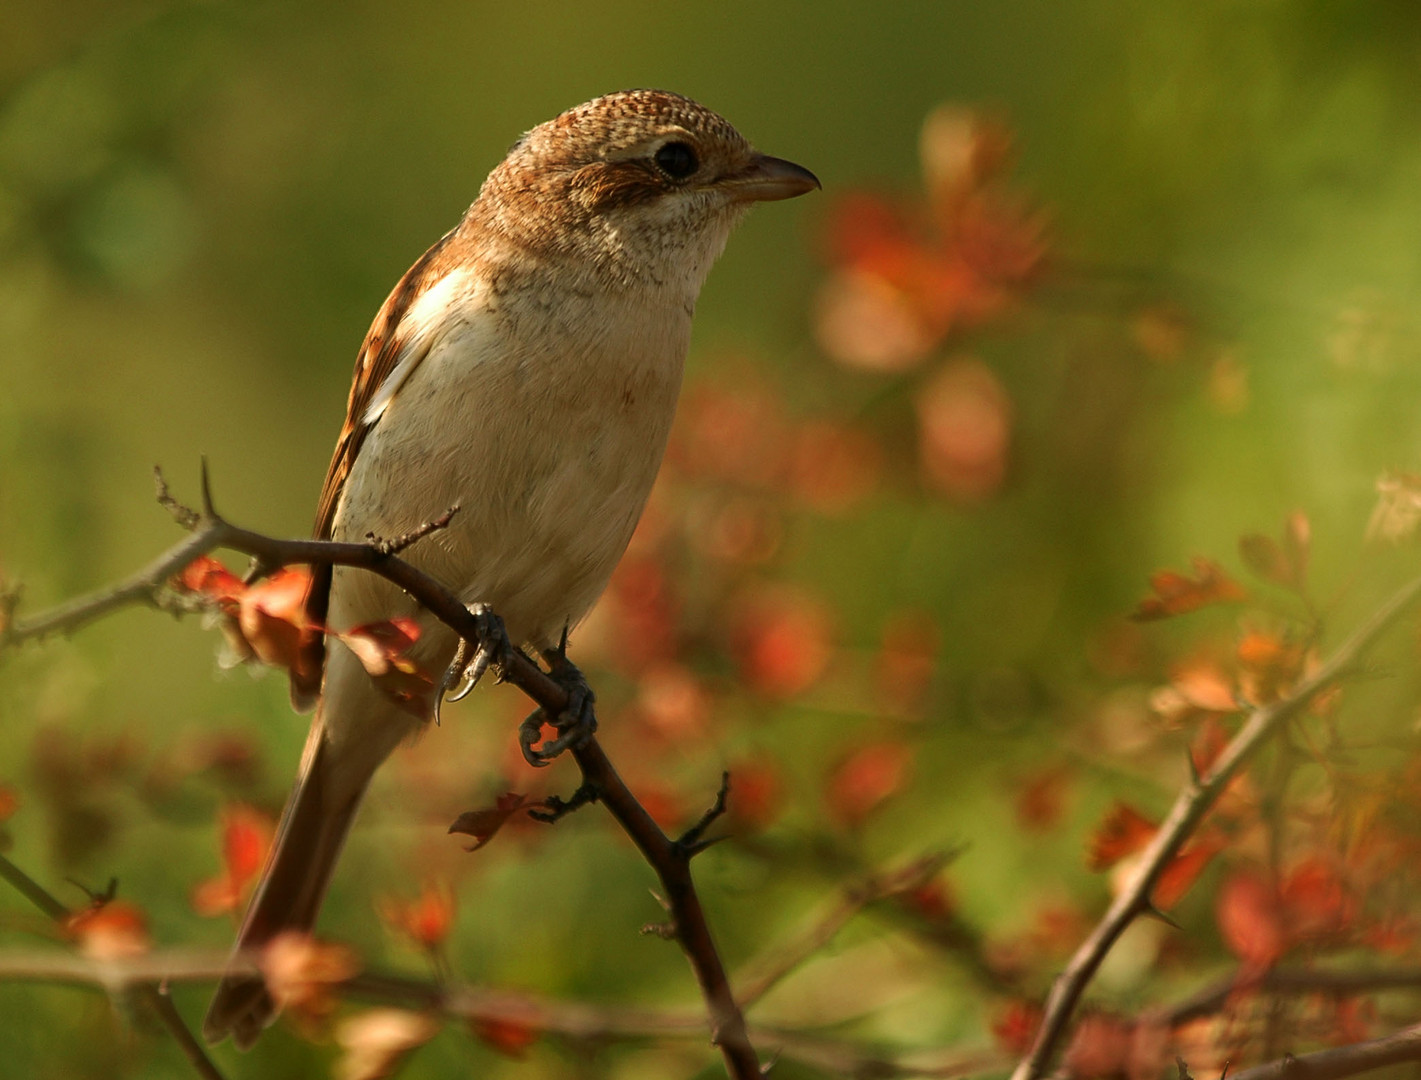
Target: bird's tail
313, 829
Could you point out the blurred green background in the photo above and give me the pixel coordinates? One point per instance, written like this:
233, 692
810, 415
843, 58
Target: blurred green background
202, 205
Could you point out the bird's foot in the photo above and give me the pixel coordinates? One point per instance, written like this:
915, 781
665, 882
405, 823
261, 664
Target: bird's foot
474, 657
575, 724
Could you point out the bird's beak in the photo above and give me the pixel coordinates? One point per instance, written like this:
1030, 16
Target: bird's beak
767, 179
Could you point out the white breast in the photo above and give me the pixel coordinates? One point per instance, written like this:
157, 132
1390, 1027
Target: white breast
544, 417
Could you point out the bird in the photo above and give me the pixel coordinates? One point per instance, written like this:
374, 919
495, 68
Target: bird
526, 368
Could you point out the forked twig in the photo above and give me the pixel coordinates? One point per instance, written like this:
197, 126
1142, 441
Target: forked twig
1193, 802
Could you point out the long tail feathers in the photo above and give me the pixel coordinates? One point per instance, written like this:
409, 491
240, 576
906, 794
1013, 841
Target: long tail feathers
308, 843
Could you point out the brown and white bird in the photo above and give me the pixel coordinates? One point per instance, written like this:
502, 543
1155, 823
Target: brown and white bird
526, 368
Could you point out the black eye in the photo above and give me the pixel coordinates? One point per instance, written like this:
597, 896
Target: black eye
677, 160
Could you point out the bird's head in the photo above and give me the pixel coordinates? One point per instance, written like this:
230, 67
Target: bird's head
642, 183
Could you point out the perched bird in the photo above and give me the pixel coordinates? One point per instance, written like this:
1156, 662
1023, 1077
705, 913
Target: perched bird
526, 369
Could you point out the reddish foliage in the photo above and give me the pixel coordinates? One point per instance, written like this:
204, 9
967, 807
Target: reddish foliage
426, 920
673, 702
110, 930
246, 839
1183, 870
1041, 798
484, 824
907, 660
1315, 901
905, 279
383, 650
1014, 1027
755, 795
1123, 831
1269, 665
511, 1037
9, 802
965, 422
782, 641
1176, 594
934, 900
1250, 919
833, 467
208, 577
1282, 562
647, 613
1100, 1047
865, 779
302, 974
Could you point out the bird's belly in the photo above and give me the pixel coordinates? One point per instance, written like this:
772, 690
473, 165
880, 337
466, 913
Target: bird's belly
550, 478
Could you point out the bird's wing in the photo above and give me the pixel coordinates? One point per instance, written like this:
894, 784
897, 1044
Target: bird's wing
393, 348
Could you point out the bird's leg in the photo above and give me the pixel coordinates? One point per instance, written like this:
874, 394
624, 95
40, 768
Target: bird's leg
474, 657
575, 724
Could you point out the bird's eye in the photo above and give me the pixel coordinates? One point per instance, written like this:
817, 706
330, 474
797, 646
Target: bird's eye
677, 160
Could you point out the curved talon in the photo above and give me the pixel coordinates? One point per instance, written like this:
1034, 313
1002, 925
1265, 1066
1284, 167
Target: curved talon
464, 672
529, 732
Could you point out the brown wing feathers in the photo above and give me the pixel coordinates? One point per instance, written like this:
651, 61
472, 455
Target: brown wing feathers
378, 356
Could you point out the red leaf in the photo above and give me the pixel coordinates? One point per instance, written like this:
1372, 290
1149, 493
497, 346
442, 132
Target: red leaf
507, 1036
482, 825
782, 640
755, 795
1100, 1047
1176, 594
867, 778
426, 920
1315, 901
965, 420
1041, 798
1250, 921
1123, 832
272, 617
209, 578
1015, 1026
110, 930
1183, 870
9, 802
246, 839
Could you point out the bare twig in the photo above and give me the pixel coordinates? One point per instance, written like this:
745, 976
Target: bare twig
769, 970
1215, 997
1189, 809
151, 995
1402, 1046
670, 860
565, 1019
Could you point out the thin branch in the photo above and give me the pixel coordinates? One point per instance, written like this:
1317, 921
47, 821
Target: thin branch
152, 996
1214, 998
1189, 809
770, 969
1394, 1049
464, 1002
670, 860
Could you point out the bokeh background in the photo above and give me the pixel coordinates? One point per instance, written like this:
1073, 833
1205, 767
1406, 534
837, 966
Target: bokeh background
884, 580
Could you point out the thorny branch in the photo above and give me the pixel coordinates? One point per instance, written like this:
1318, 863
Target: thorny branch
1394, 1049
1193, 802
152, 994
669, 858
574, 1021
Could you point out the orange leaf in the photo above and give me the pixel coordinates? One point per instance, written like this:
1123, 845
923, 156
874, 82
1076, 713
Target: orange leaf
425, 920
208, 577
272, 617
110, 930
867, 778
1249, 920
1315, 901
1040, 799
1015, 1026
1176, 593
783, 640
1183, 870
246, 838
9, 802
301, 974
382, 646
1123, 832
507, 1036
482, 825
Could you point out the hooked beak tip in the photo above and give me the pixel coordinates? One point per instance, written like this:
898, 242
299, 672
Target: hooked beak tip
768, 179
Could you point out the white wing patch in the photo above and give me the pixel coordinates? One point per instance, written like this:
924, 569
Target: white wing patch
440, 308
